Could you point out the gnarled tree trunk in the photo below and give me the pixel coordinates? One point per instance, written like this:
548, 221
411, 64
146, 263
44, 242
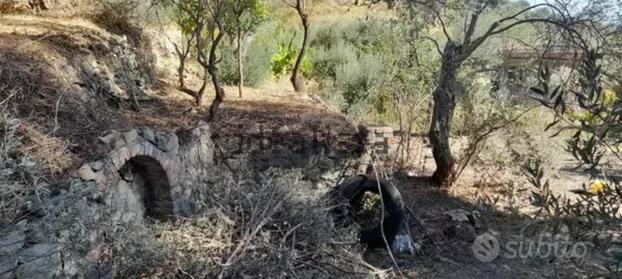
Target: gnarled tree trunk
213, 71
444, 105
220, 93
296, 79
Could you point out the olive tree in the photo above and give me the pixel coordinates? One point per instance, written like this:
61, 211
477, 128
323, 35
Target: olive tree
244, 18
185, 23
458, 49
301, 8
191, 17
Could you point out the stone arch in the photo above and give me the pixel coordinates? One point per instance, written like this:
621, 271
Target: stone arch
140, 174
150, 183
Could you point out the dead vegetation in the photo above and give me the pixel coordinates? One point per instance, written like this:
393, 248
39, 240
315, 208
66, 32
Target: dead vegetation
273, 226
19, 173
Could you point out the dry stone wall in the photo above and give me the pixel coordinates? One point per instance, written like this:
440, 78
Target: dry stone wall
150, 166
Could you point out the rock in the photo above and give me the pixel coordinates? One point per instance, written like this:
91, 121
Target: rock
147, 134
37, 251
122, 155
136, 149
462, 231
40, 261
172, 146
461, 225
458, 215
161, 140
7, 265
44, 267
11, 243
109, 138
97, 165
35, 236
100, 271
130, 136
86, 173
283, 130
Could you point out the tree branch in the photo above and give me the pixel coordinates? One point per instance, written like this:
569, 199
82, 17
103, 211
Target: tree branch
437, 15
438, 48
473, 22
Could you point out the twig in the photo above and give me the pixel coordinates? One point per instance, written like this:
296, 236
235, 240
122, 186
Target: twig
57, 105
382, 213
422, 225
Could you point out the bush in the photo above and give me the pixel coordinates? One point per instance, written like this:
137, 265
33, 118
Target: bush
358, 79
327, 60
257, 58
284, 59
12, 6
359, 61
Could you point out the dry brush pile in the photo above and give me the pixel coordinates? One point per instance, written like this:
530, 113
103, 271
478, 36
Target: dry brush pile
271, 225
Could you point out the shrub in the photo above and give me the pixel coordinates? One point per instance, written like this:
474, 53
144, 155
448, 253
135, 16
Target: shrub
285, 57
12, 6
359, 61
358, 79
257, 58
326, 60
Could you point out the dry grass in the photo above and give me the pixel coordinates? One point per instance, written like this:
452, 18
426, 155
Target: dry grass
271, 226
50, 150
19, 175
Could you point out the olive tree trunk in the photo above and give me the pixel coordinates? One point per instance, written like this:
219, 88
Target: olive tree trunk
443, 110
296, 79
213, 71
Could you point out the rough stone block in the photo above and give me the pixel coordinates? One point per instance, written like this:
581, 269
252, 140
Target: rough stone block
120, 156
136, 149
172, 146
86, 173
109, 138
147, 134
40, 261
7, 265
131, 136
11, 243
37, 251
148, 149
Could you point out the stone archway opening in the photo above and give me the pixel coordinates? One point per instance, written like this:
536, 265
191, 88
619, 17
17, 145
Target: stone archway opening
143, 191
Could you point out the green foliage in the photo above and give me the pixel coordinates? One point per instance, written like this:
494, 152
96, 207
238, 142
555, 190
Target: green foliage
359, 64
178, 12
597, 204
244, 15
358, 79
257, 58
285, 57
